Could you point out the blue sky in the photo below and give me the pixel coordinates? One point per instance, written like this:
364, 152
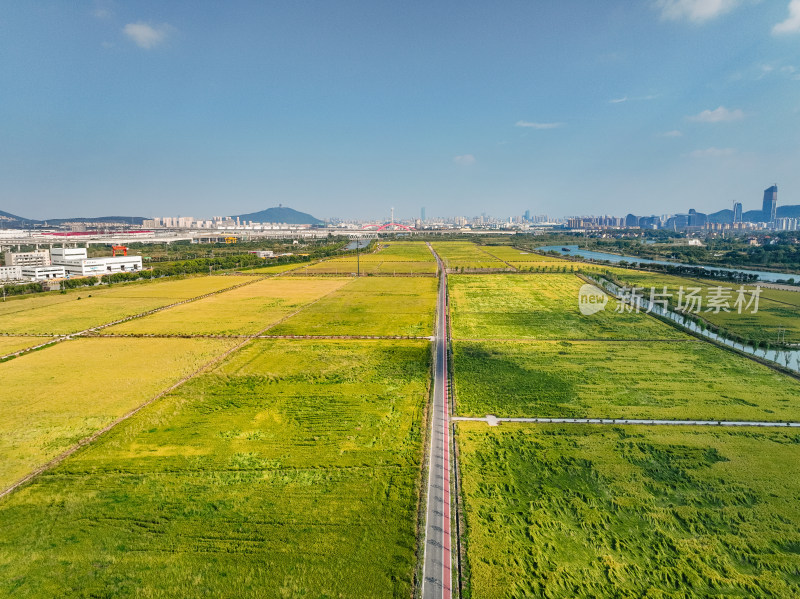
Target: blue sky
348, 108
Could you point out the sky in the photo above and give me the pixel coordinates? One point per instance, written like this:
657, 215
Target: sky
349, 108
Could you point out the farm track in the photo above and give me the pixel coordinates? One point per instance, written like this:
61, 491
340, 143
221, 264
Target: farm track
437, 561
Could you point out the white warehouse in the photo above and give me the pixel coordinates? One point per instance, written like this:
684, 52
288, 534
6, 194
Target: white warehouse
77, 263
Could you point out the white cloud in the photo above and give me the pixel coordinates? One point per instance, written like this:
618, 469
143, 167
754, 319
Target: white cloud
696, 11
465, 159
633, 99
147, 36
792, 22
538, 125
673, 133
103, 9
718, 115
713, 153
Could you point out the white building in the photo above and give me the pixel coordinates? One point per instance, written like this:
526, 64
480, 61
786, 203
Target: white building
10, 273
43, 273
61, 255
36, 258
76, 263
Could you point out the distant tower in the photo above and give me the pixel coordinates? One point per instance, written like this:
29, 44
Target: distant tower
737, 212
527, 216
391, 220
770, 206
422, 214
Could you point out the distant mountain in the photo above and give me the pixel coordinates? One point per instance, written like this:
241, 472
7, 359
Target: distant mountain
281, 214
12, 220
791, 211
7, 216
723, 216
127, 220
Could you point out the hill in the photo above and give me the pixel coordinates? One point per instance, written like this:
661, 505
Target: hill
281, 214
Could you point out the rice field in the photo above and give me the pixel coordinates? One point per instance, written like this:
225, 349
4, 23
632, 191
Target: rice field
607, 379
275, 269
242, 311
55, 397
369, 306
525, 261
390, 258
588, 511
292, 470
79, 309
467, 255
10, 344
777, 318
540, 306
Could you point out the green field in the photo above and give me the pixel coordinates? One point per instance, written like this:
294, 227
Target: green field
10, 344
290, 471
369, 306
592, 512
53, 398
527, 261
609, 379
242, 311
395, 257
76, 310
540, 306
467, 255
777, 308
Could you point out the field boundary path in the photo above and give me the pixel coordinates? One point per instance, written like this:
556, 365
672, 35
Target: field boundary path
492, 420
97, 434
437, 561
53, 339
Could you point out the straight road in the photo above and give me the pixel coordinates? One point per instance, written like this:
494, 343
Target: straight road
494, 421
437, 576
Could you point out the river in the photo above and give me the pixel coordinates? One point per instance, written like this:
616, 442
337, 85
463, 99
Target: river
574, 250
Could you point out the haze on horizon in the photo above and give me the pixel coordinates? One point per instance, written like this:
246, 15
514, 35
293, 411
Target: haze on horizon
346, 109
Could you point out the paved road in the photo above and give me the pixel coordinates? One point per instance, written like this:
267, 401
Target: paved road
494, 421
438, 560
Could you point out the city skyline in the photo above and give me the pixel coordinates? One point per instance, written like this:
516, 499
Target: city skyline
346, 111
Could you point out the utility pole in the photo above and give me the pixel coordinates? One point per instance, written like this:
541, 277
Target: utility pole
358, 257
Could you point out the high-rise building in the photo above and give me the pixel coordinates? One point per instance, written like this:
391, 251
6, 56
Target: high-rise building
527, 215
422, 214
770, 206
737, 212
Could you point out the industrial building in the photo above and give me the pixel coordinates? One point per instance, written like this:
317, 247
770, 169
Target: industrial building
10, 273
35, 258
77, 263
42, 273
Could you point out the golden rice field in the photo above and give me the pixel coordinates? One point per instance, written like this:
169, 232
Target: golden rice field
9, 345
467, 255
370, 306
54, 398
274, 269
79, 309
291, 470
242, 311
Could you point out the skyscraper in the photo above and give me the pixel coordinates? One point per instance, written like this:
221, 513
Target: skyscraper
527, 216
770, 206
737, 212
422, 214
